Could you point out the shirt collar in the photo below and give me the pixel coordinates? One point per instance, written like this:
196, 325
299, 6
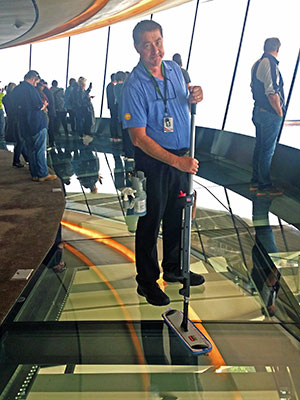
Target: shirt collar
143, 73
272, 58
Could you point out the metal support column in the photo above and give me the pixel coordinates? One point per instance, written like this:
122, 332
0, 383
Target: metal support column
236, 64
30, 55
105, 69
192, 37
68, 61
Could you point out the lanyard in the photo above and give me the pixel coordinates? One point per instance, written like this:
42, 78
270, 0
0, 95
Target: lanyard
163, 97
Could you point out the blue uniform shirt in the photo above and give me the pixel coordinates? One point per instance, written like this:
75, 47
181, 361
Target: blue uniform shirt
142, 106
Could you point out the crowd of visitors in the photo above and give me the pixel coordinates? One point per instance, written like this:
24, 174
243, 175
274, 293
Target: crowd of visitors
35, 114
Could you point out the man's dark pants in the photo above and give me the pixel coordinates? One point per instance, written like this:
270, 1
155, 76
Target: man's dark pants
164, 184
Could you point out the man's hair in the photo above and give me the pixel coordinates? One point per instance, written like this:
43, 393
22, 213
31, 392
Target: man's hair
113, 77
145, 26
120, 76
54, 83
32, 74
271, 44
10, 87
177, 58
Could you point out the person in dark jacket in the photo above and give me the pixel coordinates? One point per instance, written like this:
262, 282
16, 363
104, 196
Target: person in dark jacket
81, 104
113, 109
68, 104
177, 58
33, 125
51, 113
61, 113
12, 132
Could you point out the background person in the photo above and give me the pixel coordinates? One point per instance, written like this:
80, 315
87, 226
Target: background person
12, 132
68, 104
112, 106
2, 121
81, 104
269, 108
177, 58
33, 125
60, 111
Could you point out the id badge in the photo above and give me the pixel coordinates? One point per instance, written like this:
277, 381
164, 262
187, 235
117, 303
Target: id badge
168, 124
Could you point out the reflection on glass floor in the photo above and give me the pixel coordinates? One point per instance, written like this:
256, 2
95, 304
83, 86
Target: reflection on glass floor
95, 337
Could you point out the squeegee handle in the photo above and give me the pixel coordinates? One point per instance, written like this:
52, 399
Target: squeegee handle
192, 142
193, 108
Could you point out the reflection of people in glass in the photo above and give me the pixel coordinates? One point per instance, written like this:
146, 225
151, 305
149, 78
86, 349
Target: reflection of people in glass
62, 162
265, 275
86, 166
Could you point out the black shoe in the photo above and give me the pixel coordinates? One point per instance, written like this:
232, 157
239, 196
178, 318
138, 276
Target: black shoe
195, 279
18, 165
154, 295
270, 191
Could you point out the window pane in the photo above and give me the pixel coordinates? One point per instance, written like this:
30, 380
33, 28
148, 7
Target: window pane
14, 64
122, 54
177, 40
216, 42
290, 135
87, 59
49, 58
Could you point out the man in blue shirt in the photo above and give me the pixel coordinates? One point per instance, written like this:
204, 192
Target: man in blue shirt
269, 107
155, 109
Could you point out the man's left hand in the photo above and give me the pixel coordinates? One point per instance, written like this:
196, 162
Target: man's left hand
196, 94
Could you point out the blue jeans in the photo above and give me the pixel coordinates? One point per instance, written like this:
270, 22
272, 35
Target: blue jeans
36, 153
267, 127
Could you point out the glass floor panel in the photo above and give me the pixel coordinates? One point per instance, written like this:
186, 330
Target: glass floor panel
86, 333
146, 360
99, 283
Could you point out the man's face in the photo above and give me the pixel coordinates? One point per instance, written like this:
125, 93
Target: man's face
151, 48
33, 81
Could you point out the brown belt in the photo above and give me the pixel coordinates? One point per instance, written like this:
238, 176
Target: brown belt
263, 110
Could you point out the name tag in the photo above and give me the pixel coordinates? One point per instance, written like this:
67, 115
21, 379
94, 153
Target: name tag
168, 124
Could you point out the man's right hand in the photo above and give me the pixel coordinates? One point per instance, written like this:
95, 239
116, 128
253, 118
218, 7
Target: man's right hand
274, 100
187, 164
149, 146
